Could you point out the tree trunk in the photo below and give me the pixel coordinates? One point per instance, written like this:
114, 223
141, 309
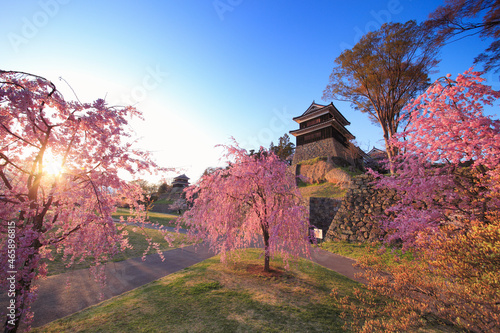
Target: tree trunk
23, 288
26, 281
8, 328
391, 153
266, 249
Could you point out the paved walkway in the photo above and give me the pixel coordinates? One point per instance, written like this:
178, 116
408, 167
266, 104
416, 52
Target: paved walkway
56, 301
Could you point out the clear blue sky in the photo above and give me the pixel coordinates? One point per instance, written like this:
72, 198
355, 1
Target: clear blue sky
203, 71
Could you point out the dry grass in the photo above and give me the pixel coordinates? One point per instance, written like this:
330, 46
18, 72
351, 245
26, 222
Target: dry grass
325, 190
339, 177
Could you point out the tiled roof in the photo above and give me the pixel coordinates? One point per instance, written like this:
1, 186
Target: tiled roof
315, 110
332, 122
183, 176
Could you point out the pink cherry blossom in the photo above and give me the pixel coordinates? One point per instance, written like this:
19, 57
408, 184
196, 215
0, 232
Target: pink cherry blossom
447, 172
70, 211
254, 196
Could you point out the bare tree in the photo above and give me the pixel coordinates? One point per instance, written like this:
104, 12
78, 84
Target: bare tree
382, 73
458, 19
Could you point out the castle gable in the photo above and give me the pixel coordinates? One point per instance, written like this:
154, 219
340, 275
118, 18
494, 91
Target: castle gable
321, 133
317, 110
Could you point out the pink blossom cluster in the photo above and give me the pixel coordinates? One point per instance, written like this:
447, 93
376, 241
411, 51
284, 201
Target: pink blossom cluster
69, 212
449, 164
255, 199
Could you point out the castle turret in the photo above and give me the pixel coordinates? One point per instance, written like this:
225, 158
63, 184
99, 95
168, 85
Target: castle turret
322, 133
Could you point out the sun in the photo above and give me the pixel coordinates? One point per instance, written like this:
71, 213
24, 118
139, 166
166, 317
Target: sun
53, 164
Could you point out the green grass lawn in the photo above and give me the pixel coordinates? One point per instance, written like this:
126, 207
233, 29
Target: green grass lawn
163, 202
168, 220
138, 242
346, 249
388, 256
213, 297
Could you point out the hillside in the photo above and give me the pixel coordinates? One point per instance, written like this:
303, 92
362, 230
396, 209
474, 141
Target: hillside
323, 190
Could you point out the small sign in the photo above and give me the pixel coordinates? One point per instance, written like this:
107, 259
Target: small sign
318, 233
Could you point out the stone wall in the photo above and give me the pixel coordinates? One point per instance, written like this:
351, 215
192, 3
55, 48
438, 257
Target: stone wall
322, 211
173, 195
162, 208
327, 148
358, 215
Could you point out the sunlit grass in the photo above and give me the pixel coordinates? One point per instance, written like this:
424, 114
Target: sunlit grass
167, 220
387, 256
212, 297
237, 297
163, 202
323, 190
346, 249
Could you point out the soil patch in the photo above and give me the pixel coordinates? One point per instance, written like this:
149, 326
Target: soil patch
258, 270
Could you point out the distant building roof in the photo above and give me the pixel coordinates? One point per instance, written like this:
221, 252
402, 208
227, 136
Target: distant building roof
183, 176
376, 152
181, 181
315, 110
333, 122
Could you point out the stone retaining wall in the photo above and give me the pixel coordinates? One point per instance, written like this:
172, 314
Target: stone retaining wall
162, 208
358, 215
322, 211
327, 148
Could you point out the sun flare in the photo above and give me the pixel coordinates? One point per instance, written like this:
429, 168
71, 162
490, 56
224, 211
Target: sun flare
53, 164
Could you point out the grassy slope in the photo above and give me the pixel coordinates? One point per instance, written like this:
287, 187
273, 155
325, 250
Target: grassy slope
167, 220
324, 190
213, 297
161, 218
388, 256
164, 202
346, 249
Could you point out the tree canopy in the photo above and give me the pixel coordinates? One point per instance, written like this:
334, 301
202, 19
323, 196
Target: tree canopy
284, 149
450, 158
59, 182
382, 73
255, 195
448, 214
